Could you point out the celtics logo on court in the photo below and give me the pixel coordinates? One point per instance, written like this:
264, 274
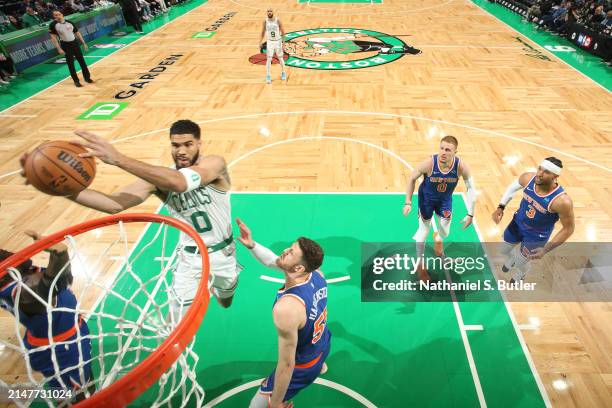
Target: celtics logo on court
342, 48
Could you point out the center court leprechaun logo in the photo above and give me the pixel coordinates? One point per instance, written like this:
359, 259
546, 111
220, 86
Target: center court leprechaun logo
340, 49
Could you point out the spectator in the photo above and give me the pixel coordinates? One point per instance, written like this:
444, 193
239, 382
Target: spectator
162, 6
130, 11
43, 11
554, 17
67, 44
596, 18
67, 9
30, 18
606, 23
7, 71
102, 3
5, 24
24, 6
144, 10
15, 23
77, 6
154, 6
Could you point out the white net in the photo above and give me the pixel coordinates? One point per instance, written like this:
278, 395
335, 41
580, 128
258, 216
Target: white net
110, 307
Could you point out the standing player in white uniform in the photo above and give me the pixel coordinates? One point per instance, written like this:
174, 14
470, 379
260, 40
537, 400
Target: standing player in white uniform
196, 190
273, 31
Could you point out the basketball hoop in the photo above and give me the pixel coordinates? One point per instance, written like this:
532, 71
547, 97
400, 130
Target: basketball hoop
163, 351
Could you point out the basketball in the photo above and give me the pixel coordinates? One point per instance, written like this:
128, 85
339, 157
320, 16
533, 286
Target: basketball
260, 59
55, 168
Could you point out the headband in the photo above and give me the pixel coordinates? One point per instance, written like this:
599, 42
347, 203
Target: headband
550, 166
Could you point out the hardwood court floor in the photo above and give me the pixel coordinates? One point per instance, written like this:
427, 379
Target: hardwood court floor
353, 130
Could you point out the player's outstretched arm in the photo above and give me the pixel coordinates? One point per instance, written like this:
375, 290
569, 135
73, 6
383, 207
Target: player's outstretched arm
59, 263
208, 170
264, 255
288, 315
516, 185
563, 206
127, 197
470, 194
421, 169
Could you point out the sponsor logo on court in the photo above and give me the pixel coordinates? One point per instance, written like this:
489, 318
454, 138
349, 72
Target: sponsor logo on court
147, 78
531, 51
204, 34
217, 24
559, 48
103, 111
109, 45
343, 48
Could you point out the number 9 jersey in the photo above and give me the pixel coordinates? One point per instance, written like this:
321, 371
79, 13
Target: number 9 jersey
273, 30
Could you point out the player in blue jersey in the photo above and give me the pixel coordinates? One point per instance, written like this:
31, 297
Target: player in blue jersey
300, 317
72, 354
441, 174
544, 203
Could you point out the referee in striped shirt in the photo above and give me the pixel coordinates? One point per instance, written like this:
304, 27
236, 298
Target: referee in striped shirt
68, 45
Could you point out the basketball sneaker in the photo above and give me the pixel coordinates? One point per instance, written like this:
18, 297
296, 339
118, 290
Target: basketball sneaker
268, 79
422, 273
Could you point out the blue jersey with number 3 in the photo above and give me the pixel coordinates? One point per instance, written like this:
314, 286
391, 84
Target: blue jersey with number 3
534, 211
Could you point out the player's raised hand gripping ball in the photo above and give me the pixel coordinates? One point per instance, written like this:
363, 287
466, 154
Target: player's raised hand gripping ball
56, 168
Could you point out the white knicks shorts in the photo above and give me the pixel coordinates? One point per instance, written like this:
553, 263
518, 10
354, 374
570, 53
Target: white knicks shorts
274, 47
222, 278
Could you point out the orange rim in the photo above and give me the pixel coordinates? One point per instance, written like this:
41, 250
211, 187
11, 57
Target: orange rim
147, 372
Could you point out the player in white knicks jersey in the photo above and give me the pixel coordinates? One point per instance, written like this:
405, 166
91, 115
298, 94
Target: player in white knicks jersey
273, 32
195, 189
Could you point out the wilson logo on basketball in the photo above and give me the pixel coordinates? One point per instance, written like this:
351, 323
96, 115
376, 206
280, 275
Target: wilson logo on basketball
75, 163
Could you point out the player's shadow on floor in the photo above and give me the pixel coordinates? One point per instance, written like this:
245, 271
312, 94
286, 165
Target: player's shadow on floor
249, 371
432, 374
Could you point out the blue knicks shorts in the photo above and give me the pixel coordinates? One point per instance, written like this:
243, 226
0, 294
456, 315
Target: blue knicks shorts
528, 238
303, 376
442, 207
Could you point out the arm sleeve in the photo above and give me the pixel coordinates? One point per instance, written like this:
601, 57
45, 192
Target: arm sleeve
470, 195
74, 27
52, 28
510, 191
265, 256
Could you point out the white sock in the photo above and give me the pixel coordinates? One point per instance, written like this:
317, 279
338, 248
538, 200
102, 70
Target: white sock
268, 64
420, 236
443, 227
522, 265
506, 249
281, 61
